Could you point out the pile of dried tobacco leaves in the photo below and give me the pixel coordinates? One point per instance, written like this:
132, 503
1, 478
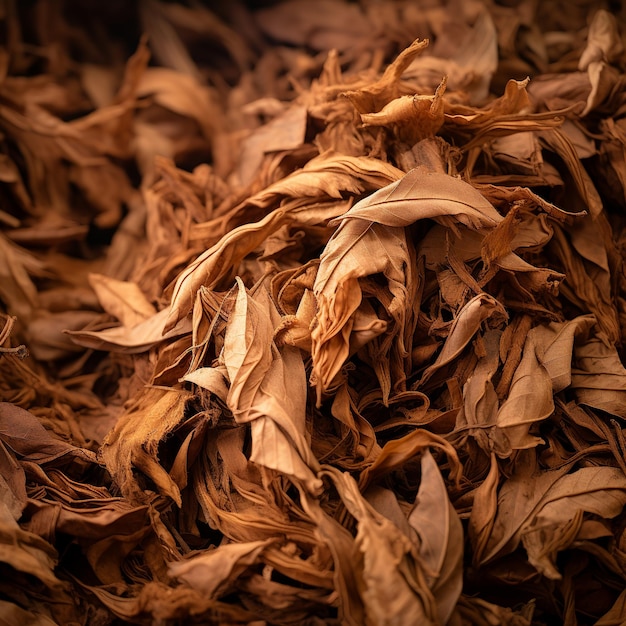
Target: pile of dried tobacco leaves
312, 313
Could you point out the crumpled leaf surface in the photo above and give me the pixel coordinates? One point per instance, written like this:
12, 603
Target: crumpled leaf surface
312, 313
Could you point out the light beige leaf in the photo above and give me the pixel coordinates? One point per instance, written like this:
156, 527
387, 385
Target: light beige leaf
464, 327
121, 299
423, 194
212, 379
131, 339
597, 490
247, 353
212, 572
529, 401
268, 389
395, 591
440, 538
603, 40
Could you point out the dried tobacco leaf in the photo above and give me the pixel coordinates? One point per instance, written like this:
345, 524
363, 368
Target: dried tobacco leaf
268, 390
328, 176
312, 313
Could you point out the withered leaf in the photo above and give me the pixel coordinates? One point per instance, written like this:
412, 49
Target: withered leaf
483, 512
121, 299
370, 240
138, 337
312, 313
228, 561
518, 498
597, 490
23, 433
27, 552
327, 176
268, 389
394, 585
440, 542
464, 326
529, 401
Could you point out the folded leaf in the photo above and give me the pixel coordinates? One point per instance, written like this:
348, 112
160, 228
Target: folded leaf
529, 401
268, 389
130, 339
394, 585
371, 240
440, 538
597, 490
213, 572
327, 176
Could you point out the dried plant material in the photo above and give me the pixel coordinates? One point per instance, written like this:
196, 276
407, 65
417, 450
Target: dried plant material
267, 390
599, 491
17, 288
373, 97
135, 440
603, 41
441, 545
371, 240
412, 117
394, 586
484, 507
304, 23
329, 176
229, 561
312, 313
122, 300
529, 401
286, 131
136, 338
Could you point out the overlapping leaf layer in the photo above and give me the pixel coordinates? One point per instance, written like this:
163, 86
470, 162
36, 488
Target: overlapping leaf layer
313, 313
